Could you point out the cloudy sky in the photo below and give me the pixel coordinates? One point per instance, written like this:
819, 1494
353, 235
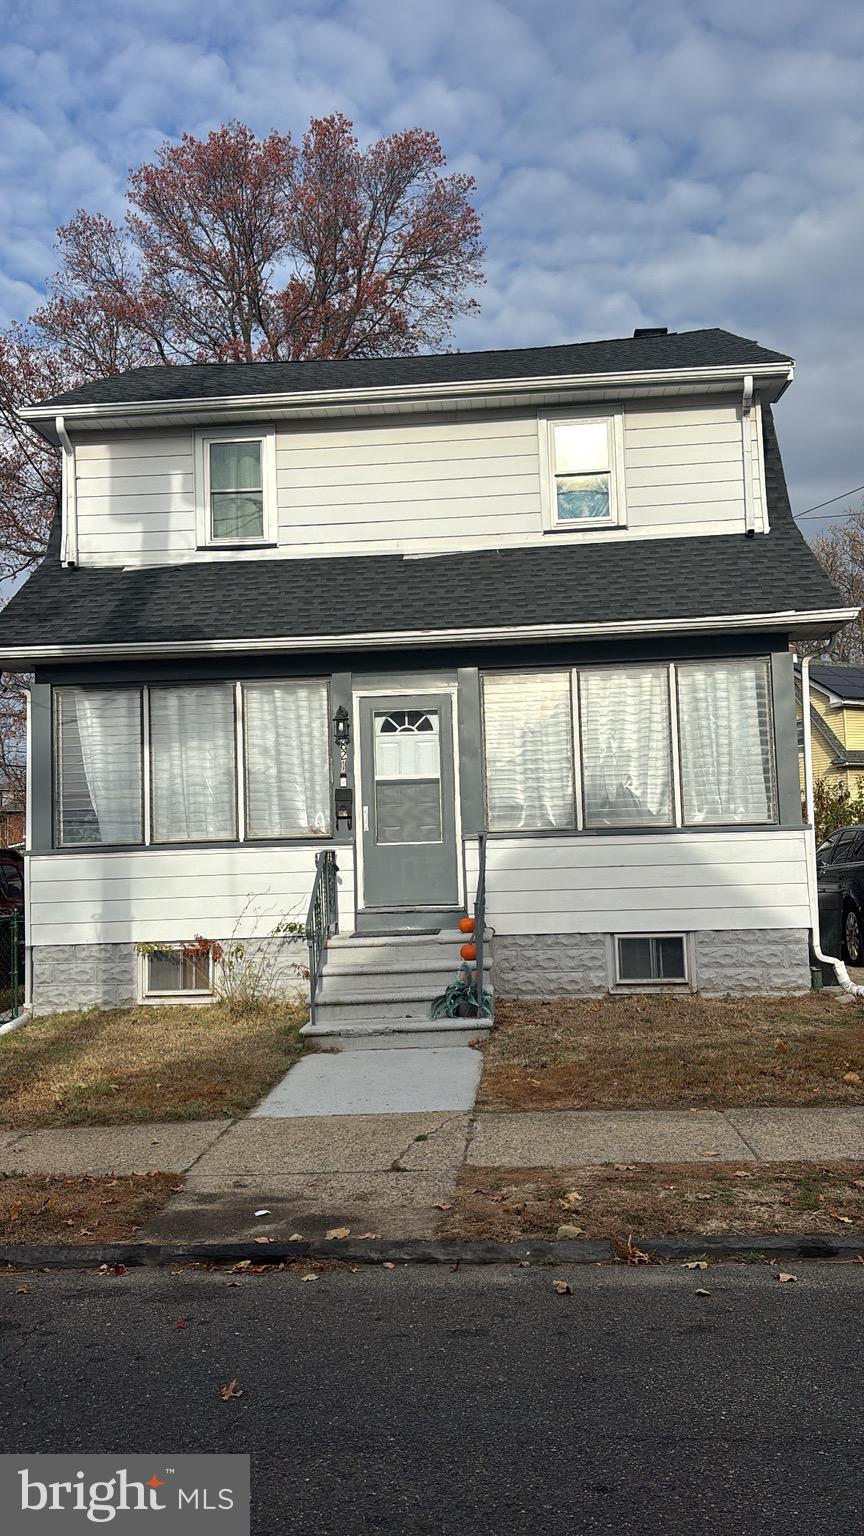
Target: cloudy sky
676, 162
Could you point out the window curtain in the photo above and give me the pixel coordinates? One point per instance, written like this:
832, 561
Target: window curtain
192, 754
528, 734
626, 746
287, 759
99, 772
727, 758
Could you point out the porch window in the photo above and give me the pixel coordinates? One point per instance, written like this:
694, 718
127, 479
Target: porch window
726, 735
192, 764
97, 765
287, 769
626, 746
528, 739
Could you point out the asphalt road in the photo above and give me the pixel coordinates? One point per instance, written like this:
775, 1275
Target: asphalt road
419, 1400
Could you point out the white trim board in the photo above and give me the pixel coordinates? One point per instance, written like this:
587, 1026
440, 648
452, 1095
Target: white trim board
812, 622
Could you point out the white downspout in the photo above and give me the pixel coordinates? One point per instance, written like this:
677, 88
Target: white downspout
746, 446
69, 542
810, 840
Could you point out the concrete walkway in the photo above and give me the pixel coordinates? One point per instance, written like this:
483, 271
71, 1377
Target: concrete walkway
392, 1173
376, 1082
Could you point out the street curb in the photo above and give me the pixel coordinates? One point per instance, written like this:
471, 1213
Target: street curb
416, 1251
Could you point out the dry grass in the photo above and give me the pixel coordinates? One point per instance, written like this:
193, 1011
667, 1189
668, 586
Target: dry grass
126, 1064
659, 1052
656, 1200
79, 1211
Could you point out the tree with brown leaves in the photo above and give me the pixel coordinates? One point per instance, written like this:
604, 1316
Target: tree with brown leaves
240, 249
840, 552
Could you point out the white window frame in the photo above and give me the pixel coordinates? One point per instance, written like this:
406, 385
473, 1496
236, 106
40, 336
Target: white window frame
613, 420
151, 997
266, 436
658, 983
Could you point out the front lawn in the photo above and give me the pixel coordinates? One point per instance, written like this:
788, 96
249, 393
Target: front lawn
35, 1209
662, 1052
656, 1200
107, 1067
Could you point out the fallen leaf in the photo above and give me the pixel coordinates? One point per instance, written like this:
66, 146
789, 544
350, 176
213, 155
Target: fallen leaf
119, 1269
846, 1220
16, 1211
634, 1255
242, 1264
695, 1264
568, 1230
780, 1046
337, 1232
263, 1239
235, 1283
263, 1213
296, 1237
710, 1154
310, 1277
571, 1199
232, 1390
441, 1205
742, 1173
701, 1292
181, 1321
368, 1235
851, 1077
388, 1266
703, 1197
625, 1167
23, 1290
561, 1287
858, 1183
784, 1279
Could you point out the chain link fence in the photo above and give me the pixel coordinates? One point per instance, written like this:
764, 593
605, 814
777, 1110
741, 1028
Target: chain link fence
11, 965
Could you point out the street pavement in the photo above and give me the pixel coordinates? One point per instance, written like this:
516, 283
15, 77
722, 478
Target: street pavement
422, 1400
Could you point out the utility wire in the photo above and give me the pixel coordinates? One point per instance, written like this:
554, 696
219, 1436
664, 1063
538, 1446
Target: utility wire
829, 503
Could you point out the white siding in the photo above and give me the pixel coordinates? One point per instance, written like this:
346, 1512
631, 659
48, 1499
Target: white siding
417, 485
680, 882
157, 894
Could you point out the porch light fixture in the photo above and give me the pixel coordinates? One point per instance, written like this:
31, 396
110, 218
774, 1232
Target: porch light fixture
341, 726
344, 795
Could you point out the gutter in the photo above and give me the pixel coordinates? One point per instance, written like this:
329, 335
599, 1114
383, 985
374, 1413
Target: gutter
292, 399
824, 618
839, 968
69, 540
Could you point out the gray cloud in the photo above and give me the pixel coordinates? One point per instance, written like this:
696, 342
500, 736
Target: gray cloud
677, 163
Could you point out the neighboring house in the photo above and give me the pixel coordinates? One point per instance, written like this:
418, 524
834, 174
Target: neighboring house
544, 594
11, 824
837, 721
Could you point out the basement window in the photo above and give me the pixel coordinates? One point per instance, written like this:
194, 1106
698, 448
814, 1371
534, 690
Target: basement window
646, 959
169, 973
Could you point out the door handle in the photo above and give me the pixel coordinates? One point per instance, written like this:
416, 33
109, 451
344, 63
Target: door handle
365, 818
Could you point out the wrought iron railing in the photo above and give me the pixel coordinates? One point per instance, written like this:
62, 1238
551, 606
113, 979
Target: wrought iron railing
480, 918
322, 919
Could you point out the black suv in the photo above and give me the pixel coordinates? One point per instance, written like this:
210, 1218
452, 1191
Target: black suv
840, 872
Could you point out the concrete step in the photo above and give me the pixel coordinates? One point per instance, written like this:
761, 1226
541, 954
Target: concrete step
337, 980
392, 1006
382, 1034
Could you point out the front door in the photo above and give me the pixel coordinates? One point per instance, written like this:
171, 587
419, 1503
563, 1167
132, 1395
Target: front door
408, 814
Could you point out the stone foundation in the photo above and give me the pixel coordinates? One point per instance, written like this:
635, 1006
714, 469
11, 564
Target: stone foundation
70, 976
747, 962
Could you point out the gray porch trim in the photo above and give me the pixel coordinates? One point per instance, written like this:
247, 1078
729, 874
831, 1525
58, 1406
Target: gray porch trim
786, 739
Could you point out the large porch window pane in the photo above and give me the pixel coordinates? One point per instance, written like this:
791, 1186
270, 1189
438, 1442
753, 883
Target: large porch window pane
192, 755
727, 752
626, 746
528, 734
98, 769
287, 759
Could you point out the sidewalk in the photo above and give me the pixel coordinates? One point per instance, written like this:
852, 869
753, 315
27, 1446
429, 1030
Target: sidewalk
392, 1173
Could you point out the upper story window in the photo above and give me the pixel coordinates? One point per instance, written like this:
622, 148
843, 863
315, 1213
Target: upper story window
583, 480
235, 482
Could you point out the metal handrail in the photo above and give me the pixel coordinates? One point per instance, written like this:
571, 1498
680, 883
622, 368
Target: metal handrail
322, 919
480, 919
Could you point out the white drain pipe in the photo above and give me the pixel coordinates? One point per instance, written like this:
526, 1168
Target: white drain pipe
840, 970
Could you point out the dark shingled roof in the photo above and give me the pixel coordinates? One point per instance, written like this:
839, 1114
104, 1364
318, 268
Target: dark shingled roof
199, 381
556, 583
846, 682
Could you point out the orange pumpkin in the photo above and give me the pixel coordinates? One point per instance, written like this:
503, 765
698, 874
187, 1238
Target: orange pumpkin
466, 925
468, 951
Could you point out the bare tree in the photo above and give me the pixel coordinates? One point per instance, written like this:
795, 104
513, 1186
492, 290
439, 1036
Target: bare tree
840, 552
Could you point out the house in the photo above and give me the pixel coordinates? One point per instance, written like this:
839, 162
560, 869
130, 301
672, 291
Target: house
837, 720
529, 610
